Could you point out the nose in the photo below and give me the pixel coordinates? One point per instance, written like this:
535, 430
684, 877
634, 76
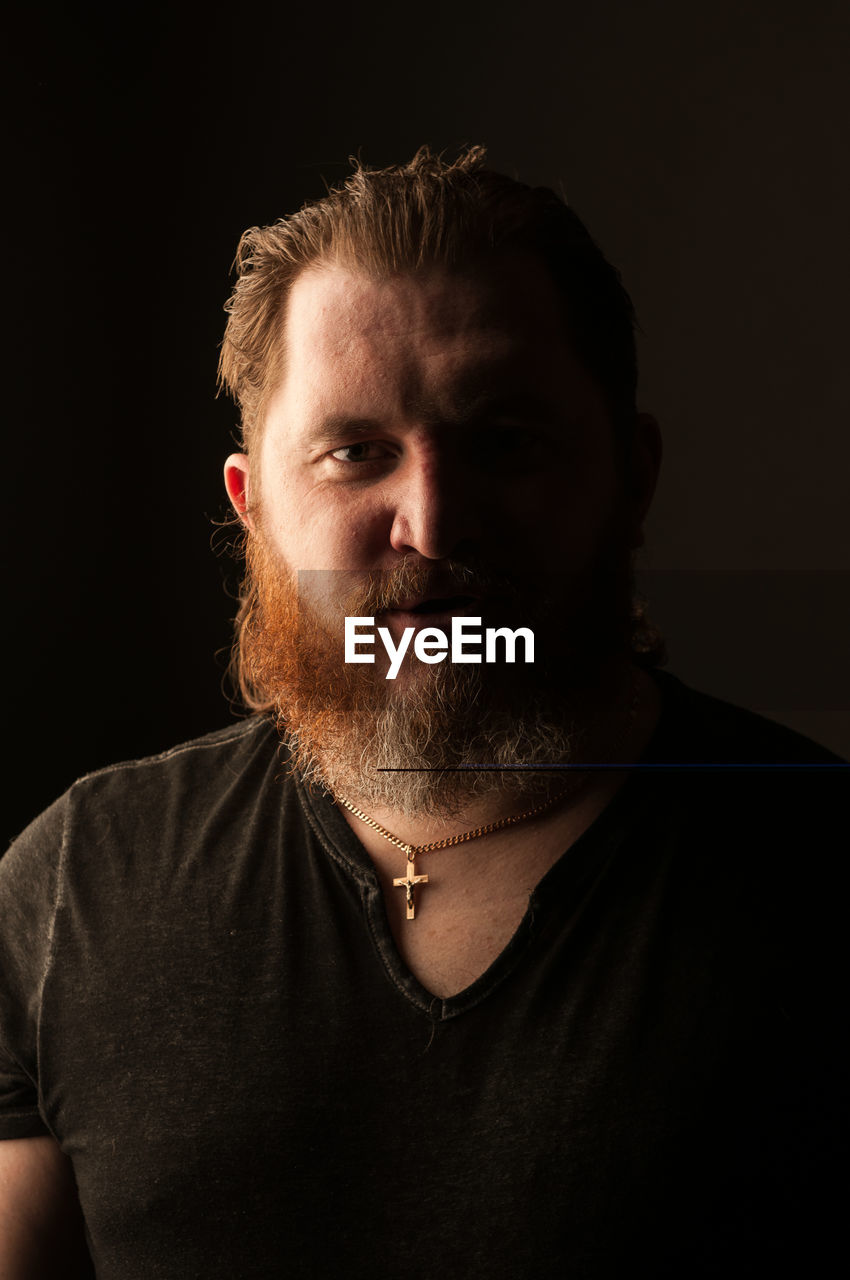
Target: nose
436, 507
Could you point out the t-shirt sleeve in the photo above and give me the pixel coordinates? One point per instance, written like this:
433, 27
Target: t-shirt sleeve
30, 883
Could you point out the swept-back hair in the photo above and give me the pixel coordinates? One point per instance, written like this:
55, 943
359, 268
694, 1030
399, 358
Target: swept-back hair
406, 218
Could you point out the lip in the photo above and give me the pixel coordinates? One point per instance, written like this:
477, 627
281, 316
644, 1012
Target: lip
419, 621
465, 600
403, 617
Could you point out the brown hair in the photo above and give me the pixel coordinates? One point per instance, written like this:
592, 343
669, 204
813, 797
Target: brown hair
405, 218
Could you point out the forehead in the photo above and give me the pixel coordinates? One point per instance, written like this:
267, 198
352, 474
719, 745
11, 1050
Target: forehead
420, 335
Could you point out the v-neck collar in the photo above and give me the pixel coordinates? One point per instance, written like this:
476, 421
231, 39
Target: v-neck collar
563, 882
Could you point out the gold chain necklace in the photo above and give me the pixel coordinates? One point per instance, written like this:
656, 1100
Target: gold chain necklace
410, 879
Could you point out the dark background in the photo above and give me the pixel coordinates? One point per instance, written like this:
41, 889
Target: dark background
704, 144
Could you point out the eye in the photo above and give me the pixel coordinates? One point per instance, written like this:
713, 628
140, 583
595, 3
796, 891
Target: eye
502, 447
507, 438
362, 451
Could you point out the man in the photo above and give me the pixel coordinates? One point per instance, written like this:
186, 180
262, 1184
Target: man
411, 972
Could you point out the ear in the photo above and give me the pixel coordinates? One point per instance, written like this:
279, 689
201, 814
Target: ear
642, 476
237, 470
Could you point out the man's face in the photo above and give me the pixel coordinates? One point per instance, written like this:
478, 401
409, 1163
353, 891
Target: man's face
436, 435
432, 417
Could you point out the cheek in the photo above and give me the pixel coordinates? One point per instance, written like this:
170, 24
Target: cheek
334, 531
361, 536
563, 514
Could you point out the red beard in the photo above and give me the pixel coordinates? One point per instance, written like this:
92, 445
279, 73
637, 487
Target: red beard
348, 726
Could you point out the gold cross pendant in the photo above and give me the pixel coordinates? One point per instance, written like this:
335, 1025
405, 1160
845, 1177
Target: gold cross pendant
409, 880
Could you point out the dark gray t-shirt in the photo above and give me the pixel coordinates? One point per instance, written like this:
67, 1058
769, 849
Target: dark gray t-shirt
201, 999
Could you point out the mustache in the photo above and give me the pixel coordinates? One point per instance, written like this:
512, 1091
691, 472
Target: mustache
386, 589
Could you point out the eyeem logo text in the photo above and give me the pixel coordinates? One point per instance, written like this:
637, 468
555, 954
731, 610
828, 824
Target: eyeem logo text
432, 644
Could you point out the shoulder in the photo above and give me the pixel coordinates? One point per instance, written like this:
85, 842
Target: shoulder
755, 819
707, 729
765, 805
199, 767
228, 749
170, 791
763, 799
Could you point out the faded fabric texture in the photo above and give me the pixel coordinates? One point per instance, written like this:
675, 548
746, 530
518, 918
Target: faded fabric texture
201, 999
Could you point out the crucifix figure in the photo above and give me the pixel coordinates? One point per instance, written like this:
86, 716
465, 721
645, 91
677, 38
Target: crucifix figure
409, 880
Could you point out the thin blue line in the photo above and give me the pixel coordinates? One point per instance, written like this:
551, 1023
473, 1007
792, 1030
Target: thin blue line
513, 768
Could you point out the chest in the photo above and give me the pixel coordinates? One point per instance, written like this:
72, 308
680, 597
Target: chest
269, 1064
453, 911
456, 934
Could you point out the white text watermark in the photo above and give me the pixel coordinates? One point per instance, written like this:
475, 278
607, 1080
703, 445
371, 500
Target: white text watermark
433, 645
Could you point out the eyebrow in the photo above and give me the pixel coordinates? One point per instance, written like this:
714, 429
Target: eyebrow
338, 426
466, 411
